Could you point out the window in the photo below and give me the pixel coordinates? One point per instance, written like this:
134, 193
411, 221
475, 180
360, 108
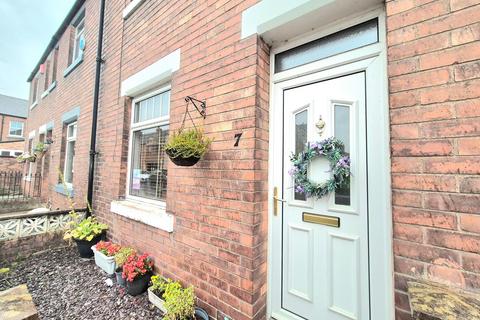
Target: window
47, 74
16, 129
71, 138
35, 89
354, 37
54, 65
5, 153
148, 135
79, 25
342, 132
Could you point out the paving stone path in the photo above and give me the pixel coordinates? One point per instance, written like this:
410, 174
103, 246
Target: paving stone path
63, 286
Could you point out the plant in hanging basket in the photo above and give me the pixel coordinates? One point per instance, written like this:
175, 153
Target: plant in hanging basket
26, 157
40, 149
186, 147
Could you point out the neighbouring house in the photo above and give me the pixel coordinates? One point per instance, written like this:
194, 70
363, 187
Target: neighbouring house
13, 115
397, 82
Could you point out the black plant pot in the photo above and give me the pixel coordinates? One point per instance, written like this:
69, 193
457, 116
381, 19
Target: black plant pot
183, 162
85, 247
139, 285
200, 314
120, 281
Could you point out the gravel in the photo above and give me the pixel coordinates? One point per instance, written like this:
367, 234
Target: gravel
64, 286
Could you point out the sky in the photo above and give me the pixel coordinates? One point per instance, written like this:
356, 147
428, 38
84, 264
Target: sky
26, 27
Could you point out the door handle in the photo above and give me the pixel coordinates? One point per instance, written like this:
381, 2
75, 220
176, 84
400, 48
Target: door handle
276, 199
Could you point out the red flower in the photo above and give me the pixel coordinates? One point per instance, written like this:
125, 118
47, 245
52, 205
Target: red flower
107, 248
137, 266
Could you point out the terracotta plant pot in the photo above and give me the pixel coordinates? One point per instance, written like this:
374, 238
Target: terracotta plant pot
139, 285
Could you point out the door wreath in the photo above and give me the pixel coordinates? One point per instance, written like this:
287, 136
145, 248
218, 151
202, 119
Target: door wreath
330, 148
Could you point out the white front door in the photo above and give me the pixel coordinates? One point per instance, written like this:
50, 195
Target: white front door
321, 261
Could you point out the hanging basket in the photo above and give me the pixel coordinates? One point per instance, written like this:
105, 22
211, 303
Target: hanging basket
187, 146
183, 162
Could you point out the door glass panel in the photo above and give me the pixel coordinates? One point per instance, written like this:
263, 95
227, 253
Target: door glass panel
352, 38
300, 140
342, 132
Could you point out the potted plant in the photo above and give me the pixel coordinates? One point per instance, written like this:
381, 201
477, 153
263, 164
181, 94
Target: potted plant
86, 233
40, 149
104, 253
156, 291
137, 272
176, 302
186, 147
120, 258
24, 157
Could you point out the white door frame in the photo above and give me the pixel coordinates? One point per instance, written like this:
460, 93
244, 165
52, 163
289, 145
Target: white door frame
373, 60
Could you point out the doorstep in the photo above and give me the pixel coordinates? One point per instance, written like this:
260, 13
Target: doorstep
16, 304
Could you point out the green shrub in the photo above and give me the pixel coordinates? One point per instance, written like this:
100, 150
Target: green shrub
179, 302
122, 255
187, 143
87, 229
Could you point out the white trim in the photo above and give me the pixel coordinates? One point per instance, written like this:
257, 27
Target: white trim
34, 104
372, 58
42, 129
139, 126
10, 129
69, 139
149, 214
131, 7
31, 134
152, 76
278, 21
49, 89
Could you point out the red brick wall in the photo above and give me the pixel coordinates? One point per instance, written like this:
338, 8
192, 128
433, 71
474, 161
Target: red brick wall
220, 232
10, 164
74, 90
433, 52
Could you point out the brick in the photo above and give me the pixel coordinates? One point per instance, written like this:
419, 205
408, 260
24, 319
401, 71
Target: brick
468, 108
407, 232
428, 218
421, 114
453, 240
471, 262
424, 182
469, 146
419, 80
424, 253
455, 55
470, 223
455, 165
446, 275
461, 4
422, 148
467, 203
470, 185
466, 34
467, 71
418, 14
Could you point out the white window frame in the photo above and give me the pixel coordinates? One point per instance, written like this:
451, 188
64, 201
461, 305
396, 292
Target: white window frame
160, 121
78, 21
67, 144
10, 129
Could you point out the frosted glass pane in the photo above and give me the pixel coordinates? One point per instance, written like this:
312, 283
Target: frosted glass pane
342, 132
352, 38
301, 119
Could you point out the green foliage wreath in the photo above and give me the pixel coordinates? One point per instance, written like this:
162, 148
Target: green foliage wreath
333, 150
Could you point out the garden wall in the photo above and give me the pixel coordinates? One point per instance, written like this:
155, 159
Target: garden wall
10, 164
433, 53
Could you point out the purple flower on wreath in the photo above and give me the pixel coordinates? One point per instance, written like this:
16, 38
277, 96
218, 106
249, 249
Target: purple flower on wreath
293, 171
344, 162
299, 189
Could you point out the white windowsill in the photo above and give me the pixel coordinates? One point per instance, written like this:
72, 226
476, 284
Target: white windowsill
15, 137
49, 89
34, 105
132, 6
150, 214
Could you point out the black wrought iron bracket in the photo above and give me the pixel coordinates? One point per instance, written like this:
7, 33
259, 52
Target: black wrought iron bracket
201, 106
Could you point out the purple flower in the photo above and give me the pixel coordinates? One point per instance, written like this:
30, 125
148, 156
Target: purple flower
299, 189
293, 171
344, 162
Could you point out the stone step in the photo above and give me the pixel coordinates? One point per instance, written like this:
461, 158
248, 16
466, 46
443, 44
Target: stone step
16, 304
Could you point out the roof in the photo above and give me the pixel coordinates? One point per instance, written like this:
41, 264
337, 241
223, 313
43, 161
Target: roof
53, 42
13, 106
